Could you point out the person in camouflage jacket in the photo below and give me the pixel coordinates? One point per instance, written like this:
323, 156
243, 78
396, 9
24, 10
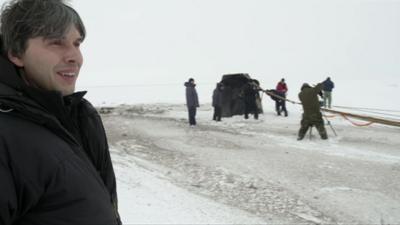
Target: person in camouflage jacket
312, 115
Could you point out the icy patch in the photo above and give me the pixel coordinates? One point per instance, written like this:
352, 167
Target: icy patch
310, 218
333, 189
373, 207
335, 149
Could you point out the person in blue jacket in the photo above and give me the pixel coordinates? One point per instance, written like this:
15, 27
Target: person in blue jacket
328, 85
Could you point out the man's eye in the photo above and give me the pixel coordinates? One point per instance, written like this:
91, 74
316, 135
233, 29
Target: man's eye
56, 42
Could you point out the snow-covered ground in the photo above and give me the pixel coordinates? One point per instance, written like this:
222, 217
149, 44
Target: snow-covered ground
250, 171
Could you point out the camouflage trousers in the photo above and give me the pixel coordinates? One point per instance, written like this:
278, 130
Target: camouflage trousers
309, 121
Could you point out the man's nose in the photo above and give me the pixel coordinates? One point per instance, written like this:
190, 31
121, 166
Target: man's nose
73, 55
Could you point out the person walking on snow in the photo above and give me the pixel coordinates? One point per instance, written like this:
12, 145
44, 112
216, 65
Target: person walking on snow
328, 85
192, 101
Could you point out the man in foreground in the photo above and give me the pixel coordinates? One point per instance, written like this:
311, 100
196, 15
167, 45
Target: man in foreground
55, 165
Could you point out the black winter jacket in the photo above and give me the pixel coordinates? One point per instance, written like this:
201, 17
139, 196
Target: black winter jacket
55, 166
217, 98
192, 100
250, 96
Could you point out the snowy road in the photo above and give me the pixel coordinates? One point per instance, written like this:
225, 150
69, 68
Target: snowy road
255, 169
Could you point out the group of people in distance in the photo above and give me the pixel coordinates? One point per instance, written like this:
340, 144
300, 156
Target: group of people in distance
308, 96
55, 162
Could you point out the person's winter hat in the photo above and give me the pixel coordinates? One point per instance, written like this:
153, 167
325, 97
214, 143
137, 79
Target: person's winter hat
304, 86
191, 79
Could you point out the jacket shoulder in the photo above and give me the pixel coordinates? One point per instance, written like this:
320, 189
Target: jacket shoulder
87, 109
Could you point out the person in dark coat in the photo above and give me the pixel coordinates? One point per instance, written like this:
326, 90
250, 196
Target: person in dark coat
192, 101
55, 165
280, 103
250, 100
328, 85
312, 115
217, 102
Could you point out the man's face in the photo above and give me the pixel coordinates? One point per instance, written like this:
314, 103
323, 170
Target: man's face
52, 64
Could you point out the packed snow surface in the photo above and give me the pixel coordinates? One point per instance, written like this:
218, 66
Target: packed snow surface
250, 171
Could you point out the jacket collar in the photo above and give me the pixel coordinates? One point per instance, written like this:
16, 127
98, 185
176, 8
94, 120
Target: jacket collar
9, 74
53, 101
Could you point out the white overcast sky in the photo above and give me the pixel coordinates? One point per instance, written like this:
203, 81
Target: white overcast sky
158, 41
164, 42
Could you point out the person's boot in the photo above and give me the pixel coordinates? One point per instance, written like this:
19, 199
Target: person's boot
301, 135
299, 138
324, 135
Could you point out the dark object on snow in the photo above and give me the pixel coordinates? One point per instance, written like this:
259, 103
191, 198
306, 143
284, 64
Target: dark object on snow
240, 91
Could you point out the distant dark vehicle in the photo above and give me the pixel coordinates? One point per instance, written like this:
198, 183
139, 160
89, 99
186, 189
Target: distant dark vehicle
233, 94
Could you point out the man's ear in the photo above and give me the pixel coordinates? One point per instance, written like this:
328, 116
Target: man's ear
15, 59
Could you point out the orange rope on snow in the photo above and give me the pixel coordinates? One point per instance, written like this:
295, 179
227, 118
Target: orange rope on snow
329, 116
369, 119
356, 124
